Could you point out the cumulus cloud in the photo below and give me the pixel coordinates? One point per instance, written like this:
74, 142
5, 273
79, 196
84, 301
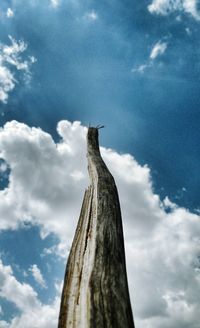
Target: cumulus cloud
21, 294
33, 312
58, 174
165, 269
161, 239
165, 7
11, 61
44, 317
37, 275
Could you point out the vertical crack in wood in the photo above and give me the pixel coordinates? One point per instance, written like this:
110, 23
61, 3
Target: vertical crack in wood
95, 291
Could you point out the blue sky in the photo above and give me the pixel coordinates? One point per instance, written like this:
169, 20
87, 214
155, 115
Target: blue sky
133, 66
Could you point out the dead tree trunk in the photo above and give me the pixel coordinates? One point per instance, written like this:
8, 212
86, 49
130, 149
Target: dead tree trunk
95, 292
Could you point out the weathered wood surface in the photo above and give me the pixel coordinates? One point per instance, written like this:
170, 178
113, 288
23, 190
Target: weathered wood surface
95, 292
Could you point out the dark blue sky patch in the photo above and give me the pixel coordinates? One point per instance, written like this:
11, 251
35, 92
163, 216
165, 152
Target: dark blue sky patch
4, 174
9, 310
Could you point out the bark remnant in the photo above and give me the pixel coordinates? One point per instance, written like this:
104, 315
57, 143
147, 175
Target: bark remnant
95, 292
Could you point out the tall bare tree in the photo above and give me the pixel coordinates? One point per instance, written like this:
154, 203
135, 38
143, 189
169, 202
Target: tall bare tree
95, 292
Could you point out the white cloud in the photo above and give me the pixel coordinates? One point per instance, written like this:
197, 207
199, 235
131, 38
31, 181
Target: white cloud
44, 317
7, 82
190, 7
9, 13
10, 61
59, 287
33, 312
162, 248
11, 54
37, 275
158, 49
21, 294
52, 165
4, 324
168, 204
165, 7
165, 269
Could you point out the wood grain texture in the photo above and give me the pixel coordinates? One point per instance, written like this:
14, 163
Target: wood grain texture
95, 292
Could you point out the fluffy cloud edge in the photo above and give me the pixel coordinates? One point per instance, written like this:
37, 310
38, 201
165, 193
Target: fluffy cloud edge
165, 7
33, 313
